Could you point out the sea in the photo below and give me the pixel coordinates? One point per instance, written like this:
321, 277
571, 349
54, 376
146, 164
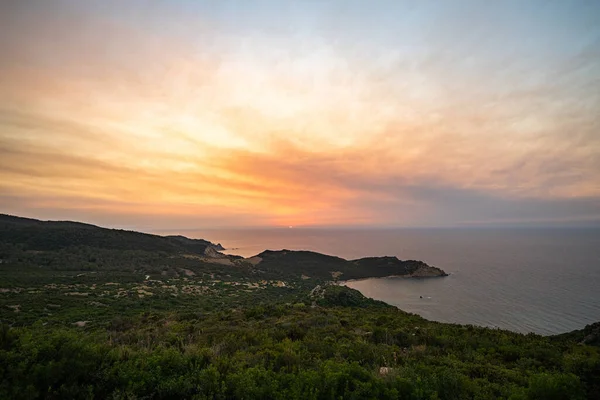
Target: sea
545, 281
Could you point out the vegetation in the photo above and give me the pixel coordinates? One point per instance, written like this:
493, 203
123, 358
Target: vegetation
155, 318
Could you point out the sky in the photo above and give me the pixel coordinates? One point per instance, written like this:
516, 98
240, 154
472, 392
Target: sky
199, 114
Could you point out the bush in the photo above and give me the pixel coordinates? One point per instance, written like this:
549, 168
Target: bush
555, 387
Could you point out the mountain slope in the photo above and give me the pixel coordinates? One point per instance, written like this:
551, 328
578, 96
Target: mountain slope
56, 235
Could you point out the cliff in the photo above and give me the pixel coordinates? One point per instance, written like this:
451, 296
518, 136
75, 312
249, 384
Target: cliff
392, 266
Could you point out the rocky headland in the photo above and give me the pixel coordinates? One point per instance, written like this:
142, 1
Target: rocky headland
321, 266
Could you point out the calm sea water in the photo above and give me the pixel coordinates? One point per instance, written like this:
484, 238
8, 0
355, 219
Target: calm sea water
525, 280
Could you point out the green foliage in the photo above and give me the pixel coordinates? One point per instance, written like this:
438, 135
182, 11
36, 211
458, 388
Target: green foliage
589, 335
286, 352
548, 386
343, 296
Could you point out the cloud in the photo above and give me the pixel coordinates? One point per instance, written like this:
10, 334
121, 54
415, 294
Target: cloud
136, 114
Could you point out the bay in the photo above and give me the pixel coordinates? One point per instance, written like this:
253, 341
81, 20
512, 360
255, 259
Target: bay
545, 281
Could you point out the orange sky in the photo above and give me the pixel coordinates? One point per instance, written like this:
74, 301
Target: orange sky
168, 118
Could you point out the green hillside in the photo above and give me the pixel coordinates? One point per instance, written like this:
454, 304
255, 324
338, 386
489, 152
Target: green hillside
93, 313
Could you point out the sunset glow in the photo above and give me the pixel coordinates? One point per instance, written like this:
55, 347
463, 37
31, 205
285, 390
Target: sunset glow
189, 114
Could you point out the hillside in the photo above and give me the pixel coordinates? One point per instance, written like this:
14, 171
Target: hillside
590, 335
88, 312
38, 235
323, 266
